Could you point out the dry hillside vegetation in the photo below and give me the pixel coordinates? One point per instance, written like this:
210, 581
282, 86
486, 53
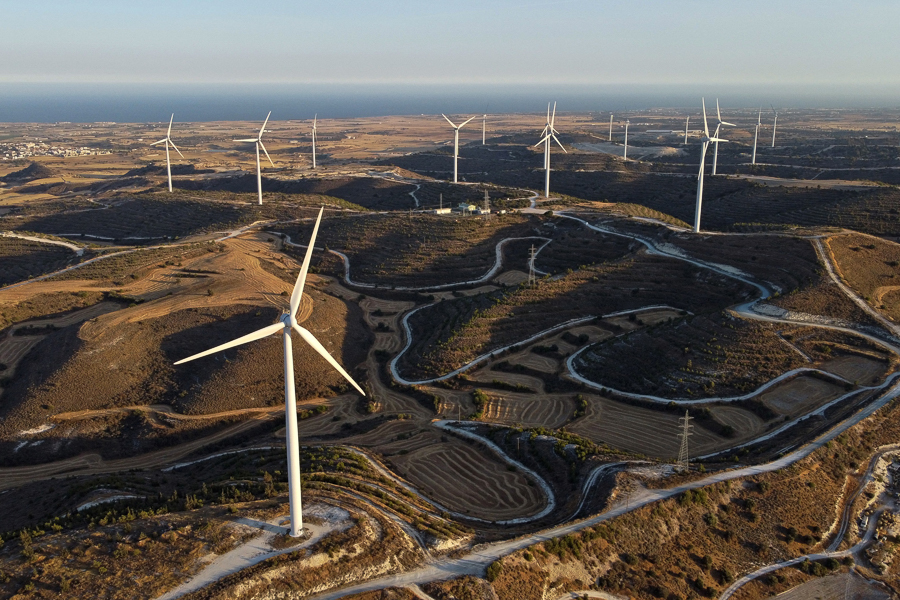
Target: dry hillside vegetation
146, 217
708, 356
871, 267
694, 545
24, 259
451, 333
17, 309
417, 251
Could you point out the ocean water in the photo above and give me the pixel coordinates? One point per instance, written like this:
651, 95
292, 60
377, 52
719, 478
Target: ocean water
47, 103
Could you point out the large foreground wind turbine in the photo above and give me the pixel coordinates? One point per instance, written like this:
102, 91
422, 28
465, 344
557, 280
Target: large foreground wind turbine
456, 129
718, 127
314, 139
257, 141
168, 140
774, 124
548, 133
705, 144
756, 135
286, 323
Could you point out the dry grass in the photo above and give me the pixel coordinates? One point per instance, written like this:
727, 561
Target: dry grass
871, 267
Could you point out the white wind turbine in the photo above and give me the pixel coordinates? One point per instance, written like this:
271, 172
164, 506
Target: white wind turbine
315, 118
625, 155
774, 124
456, 129
285, 324
483, 129
257, 141
168, 140
610, 126
721, 122
705, 144
548, 133
686, 122
756, 135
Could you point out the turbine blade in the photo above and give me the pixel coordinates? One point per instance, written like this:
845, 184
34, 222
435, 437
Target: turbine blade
449, 121
176, 149
729, 124
310, 339
715, 139
315, 118
254, 140
705, 124
250, 337
470, 118
702, 159
264, 150
718, 114
297, 294
553, 116
543, 139
266, 122
169, 133
558, 143
159, 142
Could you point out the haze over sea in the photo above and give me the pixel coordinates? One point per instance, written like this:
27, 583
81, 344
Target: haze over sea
47, 103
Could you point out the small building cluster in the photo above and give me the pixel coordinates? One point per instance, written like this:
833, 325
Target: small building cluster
28, 149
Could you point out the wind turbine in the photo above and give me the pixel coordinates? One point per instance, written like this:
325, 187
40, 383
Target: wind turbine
258, 142
483, 128
756, 135
721, 122
314, 139
686, 122
774, 125
168, 140
610, 126
285, 324
705, 144
455, 142
625, 155
548, 133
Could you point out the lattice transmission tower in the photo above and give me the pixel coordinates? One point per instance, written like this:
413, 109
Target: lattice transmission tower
684, 459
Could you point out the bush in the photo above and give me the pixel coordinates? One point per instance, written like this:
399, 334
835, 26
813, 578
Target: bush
493, 570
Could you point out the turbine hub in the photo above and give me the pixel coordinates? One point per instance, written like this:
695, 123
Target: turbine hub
286, 319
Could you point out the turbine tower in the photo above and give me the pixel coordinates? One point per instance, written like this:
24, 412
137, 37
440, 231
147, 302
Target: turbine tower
168, 140
774, 125
703, 146
286, 323
257, 141
315, 118
483, 129
684, 459
610, 126
756, 135
625, 155
721, 122
455, 142
686, 121
548, 134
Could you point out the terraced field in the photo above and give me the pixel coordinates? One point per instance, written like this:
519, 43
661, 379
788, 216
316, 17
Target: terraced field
417, 250
23, 259
640, 430
492, 491
449, 334
696, 357
526, 410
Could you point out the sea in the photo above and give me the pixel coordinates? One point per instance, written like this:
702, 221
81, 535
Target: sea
131, 103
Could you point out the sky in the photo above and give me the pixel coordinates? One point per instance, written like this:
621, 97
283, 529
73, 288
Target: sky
587, 42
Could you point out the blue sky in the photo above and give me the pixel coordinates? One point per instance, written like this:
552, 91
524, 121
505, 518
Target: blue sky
797, 42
